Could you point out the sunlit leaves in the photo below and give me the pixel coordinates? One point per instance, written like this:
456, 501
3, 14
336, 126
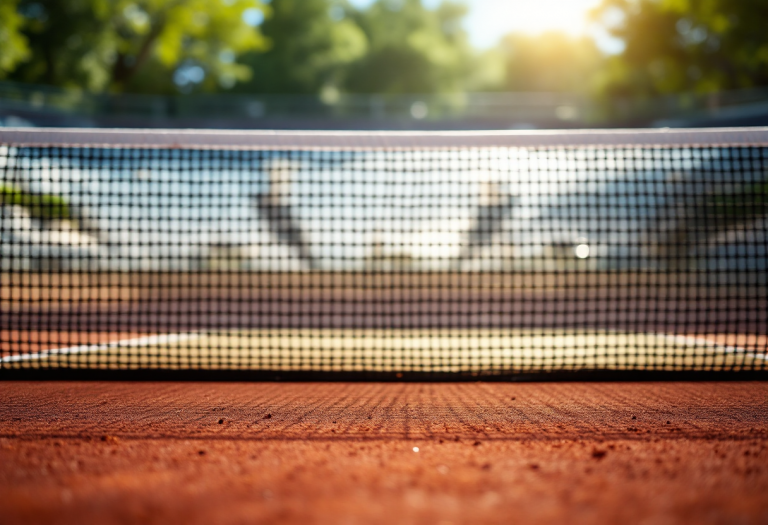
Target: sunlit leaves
312, 43
112, 44
13, 43
412, 49
677, 46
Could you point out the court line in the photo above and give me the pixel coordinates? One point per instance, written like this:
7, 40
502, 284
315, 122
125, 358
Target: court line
82, 349
174, 338
706, 343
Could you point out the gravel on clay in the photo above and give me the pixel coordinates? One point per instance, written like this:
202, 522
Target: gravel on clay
435, 453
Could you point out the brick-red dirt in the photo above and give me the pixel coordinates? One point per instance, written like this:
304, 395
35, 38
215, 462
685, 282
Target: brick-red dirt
305, 453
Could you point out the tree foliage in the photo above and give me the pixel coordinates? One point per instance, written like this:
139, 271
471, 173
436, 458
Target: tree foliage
312, 44
256, 46
413, 49
676, 46
14, 46
107, 44
393, 46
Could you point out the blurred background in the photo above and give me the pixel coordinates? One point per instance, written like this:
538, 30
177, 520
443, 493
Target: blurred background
383, 64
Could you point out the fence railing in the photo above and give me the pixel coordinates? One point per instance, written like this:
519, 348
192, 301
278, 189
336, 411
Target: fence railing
505, 110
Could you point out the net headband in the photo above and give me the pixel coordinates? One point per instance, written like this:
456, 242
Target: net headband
351, 140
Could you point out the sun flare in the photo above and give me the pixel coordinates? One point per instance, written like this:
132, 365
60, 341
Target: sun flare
490, 19
546, 15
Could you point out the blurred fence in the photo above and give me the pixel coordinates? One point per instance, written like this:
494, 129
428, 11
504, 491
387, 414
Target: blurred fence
36, 105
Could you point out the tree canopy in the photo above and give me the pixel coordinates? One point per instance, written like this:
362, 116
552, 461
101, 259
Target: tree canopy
14, 45
255, 46
312, 42
412, 49
128, 45
391, 46
674, 46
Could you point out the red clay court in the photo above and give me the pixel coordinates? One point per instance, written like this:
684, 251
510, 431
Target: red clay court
670, 452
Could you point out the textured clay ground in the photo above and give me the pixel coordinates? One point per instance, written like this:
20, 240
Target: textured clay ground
305, 453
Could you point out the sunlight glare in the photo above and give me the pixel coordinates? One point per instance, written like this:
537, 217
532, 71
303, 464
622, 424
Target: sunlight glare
487, 20
569, 16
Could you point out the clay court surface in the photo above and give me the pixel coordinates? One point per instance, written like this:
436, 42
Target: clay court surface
150, 303
107, 452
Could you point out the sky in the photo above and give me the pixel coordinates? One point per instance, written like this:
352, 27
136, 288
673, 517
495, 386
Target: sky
489, 20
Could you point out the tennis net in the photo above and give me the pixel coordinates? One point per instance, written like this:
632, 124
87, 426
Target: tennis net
445, 254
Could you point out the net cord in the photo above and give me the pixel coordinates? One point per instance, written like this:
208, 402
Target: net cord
351, 140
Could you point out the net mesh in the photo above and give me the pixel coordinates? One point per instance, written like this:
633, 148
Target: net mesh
384, 253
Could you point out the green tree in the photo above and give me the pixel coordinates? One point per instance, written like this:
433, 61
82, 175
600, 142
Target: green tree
112, 44
14, 46
313, 42
413, 49
674, 46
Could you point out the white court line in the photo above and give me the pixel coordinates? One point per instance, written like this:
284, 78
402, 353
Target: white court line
175, 338
701, 342
83, 349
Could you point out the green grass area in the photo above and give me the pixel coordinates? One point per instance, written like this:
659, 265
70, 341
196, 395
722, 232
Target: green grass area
40, 205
